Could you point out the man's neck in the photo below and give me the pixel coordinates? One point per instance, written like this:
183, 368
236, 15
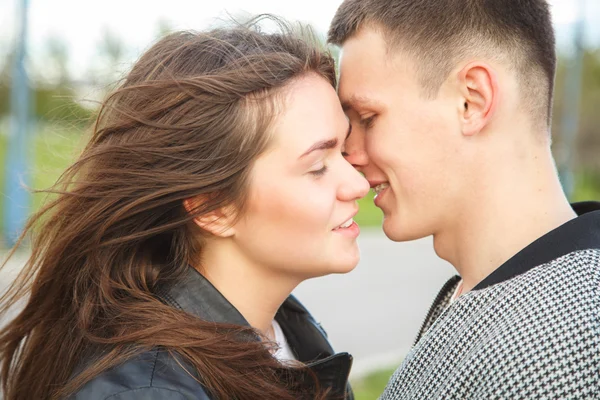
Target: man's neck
256, 292
514, 207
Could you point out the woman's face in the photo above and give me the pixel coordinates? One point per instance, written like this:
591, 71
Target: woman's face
303, 193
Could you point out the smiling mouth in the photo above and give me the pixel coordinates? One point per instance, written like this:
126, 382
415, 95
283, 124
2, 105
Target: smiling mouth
380, 188
346, 224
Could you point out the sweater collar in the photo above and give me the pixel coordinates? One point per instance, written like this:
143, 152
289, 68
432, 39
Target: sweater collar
581, 233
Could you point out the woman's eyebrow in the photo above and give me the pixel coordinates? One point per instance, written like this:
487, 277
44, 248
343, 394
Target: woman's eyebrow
321, 145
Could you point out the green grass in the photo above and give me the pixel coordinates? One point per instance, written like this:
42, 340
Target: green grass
368, 214
372, 386
587, 187
54, 151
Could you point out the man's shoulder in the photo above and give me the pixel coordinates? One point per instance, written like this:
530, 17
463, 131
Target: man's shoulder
533, 336
578, 271
561, 286
151, 375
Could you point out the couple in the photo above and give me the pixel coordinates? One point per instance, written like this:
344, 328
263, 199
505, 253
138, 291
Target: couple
224, 171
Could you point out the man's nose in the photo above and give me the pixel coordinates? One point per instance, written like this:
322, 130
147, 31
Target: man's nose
355, 150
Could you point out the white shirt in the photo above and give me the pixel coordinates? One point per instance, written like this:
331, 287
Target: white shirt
457, 292
284, 353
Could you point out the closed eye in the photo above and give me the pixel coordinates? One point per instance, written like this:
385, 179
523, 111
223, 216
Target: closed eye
367, 122
319, 172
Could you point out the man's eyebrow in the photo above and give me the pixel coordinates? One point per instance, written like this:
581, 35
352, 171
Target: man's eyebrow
357, 100
322, 145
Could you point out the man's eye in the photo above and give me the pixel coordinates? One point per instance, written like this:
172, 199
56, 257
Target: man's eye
367, 122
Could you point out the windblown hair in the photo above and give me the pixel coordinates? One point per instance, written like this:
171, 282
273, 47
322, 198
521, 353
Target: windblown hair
187, 122
439, 33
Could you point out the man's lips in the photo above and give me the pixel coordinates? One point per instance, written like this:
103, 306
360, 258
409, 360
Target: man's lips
373, 184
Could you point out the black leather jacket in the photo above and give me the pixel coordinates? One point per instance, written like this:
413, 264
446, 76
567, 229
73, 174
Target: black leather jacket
158, 375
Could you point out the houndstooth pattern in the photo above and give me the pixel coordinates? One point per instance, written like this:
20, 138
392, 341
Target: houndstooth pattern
536, 336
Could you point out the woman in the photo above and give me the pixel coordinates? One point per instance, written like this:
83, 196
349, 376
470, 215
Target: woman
213, 184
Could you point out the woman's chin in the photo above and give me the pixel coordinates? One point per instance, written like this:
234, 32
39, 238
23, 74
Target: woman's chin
349, 263
348, 268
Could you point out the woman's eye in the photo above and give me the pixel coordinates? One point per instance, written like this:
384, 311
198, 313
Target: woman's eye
319, 172
367, 122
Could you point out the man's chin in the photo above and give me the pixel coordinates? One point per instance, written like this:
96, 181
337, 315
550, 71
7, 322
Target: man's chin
399, 232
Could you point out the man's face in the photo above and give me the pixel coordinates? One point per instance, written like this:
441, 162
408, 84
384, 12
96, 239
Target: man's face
409, 148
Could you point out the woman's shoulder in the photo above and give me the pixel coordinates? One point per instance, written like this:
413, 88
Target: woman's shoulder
151, 375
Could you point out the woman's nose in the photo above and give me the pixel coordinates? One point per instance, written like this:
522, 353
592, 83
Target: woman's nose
355, 185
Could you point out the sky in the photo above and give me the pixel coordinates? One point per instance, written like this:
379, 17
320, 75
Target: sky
81, 23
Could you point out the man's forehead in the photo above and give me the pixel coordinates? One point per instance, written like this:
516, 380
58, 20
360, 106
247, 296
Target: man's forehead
364, 83
358, 85
363, 76
367, 55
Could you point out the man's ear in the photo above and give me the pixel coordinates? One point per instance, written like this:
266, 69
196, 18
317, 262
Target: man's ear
479, 89
218, 222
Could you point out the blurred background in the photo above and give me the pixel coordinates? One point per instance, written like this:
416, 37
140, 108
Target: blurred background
59, 58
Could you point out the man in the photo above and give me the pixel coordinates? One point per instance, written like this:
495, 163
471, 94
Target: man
450, 103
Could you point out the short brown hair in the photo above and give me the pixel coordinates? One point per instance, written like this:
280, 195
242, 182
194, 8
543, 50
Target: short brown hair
440, 32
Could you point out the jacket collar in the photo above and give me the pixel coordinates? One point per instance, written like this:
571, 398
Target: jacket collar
580, 233
194, 294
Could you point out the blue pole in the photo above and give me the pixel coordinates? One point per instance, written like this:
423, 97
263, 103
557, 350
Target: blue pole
16, 195
572, 100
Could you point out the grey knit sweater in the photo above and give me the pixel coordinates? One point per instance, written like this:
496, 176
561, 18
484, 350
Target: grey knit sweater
529, 331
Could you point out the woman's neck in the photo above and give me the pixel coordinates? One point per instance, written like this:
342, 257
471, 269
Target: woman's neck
255, 290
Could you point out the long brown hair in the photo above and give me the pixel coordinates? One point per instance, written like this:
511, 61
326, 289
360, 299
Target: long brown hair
188, 121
